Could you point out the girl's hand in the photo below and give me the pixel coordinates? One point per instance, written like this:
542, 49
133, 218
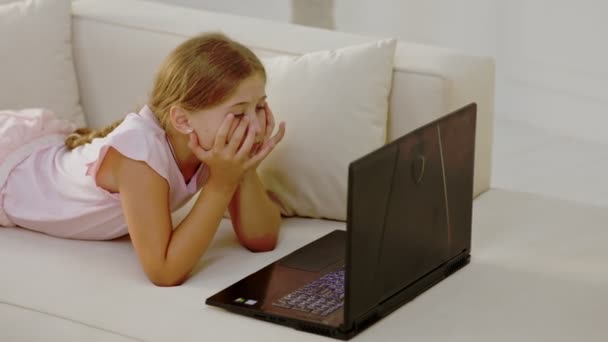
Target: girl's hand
227, 160
269, 141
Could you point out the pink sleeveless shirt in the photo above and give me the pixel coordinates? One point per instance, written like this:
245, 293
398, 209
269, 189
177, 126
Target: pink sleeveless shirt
54, 191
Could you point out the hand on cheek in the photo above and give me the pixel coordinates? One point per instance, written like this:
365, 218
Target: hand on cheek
232, 131
228, 162
269, 141
233, 127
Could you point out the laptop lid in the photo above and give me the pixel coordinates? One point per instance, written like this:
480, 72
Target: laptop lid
409, 211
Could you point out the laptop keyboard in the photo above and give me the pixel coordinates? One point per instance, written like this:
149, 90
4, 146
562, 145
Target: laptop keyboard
321, 297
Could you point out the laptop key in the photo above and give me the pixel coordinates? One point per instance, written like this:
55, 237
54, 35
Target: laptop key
302, 308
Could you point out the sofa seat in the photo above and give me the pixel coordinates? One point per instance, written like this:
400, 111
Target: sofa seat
538, 273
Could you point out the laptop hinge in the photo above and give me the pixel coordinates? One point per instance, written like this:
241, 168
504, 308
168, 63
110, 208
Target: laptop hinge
362, 322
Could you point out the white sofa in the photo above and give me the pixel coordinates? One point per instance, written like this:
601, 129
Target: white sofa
531, 277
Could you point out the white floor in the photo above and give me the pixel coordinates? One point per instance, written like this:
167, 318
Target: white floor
535, 160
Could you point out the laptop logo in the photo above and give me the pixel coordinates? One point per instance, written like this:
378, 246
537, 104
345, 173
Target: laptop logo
245, 301
418, 169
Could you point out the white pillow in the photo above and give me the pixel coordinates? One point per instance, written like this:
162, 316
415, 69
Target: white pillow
335, 105
36, 64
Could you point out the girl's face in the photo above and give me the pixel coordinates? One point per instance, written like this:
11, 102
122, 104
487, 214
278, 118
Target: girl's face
247, 101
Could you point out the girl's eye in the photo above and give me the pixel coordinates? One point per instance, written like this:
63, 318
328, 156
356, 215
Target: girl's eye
238, 115
259, 108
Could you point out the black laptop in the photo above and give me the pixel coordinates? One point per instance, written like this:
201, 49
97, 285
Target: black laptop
408, 227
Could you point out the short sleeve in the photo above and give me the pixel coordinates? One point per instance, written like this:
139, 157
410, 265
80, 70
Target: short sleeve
136, 144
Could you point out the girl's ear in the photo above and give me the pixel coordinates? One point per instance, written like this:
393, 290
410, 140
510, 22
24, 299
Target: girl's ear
178, 118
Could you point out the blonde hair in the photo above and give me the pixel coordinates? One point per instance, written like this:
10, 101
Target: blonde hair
200, 73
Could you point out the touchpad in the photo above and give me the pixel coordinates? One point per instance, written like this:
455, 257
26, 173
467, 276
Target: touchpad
318, 254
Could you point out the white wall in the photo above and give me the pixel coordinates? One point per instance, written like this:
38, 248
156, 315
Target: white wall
551, 55
470, 25
554, 59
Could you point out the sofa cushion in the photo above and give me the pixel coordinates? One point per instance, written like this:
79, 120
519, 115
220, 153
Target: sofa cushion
335, 104
102, 284
36, 65
18, 323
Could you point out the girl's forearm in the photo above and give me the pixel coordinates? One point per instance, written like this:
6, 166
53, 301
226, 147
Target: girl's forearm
255, 217
190, 240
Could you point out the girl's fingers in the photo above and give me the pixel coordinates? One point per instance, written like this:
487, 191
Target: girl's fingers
264, 152
268, 146
280, 134
237, 137
196, 148
269, 120
222, 133
245, 149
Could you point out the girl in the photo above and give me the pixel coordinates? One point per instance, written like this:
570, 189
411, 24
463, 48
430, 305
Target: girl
207, 123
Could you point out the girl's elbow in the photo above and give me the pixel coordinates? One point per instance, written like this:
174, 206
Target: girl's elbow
260, 245
166, 282
165, 279
263, 248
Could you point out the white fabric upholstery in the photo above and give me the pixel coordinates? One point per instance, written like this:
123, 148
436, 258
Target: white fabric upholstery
118, 45
19, 324
531, 276
36, 64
